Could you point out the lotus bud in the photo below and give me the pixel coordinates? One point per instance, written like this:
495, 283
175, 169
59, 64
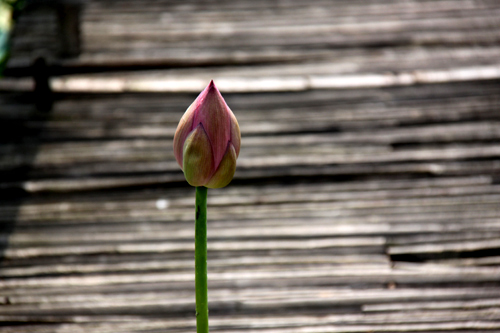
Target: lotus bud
207, 140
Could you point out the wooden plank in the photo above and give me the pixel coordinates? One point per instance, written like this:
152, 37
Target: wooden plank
366, 151
160, 33
132, 324
352, 210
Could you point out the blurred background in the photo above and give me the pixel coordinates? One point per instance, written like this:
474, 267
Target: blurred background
367, 193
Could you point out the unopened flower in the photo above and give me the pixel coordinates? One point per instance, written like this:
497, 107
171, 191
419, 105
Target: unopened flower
207, 140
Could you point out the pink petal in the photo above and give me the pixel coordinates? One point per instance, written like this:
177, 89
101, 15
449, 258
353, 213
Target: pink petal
212, 112
183, 129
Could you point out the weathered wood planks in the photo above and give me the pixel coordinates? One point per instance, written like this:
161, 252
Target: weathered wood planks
366, 197
190, 34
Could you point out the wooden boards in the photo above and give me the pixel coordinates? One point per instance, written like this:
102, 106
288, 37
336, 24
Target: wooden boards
367, 192
359, 210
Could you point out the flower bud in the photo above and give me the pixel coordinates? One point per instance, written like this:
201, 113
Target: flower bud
207, 140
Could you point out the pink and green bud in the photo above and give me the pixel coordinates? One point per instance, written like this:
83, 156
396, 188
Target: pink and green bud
207, 140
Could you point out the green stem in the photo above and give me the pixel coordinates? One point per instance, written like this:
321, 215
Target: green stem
200, 260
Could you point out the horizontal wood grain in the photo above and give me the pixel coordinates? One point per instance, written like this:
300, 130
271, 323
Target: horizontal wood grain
366, 196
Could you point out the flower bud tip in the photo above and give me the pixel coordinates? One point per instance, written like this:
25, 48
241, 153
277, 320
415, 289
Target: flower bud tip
207, 140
